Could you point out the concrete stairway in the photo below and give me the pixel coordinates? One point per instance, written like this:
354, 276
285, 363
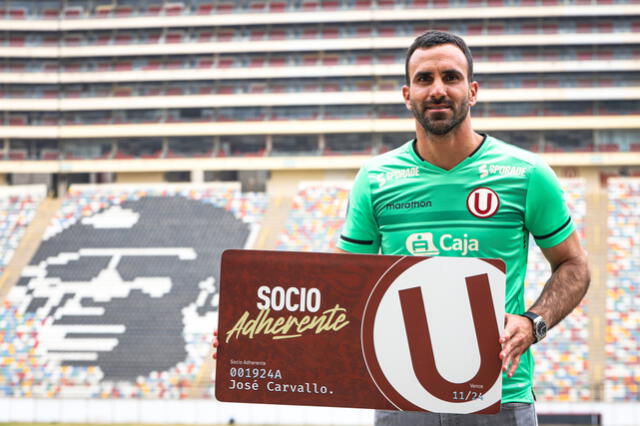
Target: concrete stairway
28, 244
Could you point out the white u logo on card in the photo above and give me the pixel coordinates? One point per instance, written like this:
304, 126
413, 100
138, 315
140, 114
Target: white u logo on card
425, 352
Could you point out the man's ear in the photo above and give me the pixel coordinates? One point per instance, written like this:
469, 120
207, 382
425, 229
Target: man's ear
405, 95
473, 93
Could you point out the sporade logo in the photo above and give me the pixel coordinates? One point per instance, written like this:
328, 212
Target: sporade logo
408, 323
501, 169
385, 177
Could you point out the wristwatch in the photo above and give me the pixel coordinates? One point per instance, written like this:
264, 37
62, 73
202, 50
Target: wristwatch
539, 325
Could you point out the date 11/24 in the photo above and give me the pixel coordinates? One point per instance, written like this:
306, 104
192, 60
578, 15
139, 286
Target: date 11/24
467, 396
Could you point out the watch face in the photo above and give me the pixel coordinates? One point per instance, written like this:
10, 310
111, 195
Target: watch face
541, 329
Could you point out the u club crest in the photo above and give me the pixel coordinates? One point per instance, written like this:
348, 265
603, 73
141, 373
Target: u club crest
430, 334
483, 202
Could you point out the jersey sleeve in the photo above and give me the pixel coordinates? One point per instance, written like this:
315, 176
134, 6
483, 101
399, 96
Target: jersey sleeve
547, 216
360, 232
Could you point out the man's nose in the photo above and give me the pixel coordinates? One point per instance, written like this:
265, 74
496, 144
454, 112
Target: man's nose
438, 90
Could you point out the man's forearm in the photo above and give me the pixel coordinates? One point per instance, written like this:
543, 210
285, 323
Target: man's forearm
563, 291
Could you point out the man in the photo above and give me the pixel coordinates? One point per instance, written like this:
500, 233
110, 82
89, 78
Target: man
454, 183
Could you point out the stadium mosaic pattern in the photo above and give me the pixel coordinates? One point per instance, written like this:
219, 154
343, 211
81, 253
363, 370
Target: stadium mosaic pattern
16, 211
561, 369
119, 299
622, 371
318, 210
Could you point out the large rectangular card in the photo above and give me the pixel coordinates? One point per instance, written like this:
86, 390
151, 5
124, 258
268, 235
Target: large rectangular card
364, 331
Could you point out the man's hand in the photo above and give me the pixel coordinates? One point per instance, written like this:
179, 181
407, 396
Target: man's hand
215, 344
516, 338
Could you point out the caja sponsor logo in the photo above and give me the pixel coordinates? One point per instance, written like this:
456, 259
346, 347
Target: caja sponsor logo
423, 244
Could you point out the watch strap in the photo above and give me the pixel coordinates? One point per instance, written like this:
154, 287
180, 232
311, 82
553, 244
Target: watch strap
535, 321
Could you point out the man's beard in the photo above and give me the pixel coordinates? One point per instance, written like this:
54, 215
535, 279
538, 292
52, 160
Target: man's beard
441, 127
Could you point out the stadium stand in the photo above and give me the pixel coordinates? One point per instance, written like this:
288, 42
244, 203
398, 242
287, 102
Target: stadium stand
119, 299
18, 206
562, 357
167, 66
316, 217
255, 91
622, 372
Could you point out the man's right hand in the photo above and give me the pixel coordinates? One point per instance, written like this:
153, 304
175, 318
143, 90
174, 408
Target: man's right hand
516, 338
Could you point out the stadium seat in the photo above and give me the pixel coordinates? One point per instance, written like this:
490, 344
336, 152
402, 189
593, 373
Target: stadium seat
15, 40
608, 147
17, 155
50, 13
385, 4
49, 155
225, 62
277, 35
153, 10
18, 120
494, 29
277, 62
329, 4
173, 9
104, 11
206, 9
17, 13
123, 66
225, 7
309, 5
74, 12
205, 63
225, 35
363, 4
277, 6
123, 11
122, 38
257, 35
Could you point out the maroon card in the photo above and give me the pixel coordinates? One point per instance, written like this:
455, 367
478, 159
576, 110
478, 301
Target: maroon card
362, 331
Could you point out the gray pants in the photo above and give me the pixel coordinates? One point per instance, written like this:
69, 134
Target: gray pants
511, 414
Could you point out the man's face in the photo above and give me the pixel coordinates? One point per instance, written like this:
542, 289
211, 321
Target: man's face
440, 94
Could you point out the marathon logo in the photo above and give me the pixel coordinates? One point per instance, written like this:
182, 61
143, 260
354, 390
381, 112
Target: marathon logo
408, 205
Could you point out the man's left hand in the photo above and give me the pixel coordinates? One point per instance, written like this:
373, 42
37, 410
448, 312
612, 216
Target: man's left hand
516, 338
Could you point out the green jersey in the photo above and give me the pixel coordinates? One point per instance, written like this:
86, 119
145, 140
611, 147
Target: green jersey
486, 206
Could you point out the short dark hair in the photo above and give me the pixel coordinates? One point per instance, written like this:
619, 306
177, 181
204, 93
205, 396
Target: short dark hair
437, 38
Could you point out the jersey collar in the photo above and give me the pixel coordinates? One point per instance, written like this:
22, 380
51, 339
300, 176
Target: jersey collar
424, 163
